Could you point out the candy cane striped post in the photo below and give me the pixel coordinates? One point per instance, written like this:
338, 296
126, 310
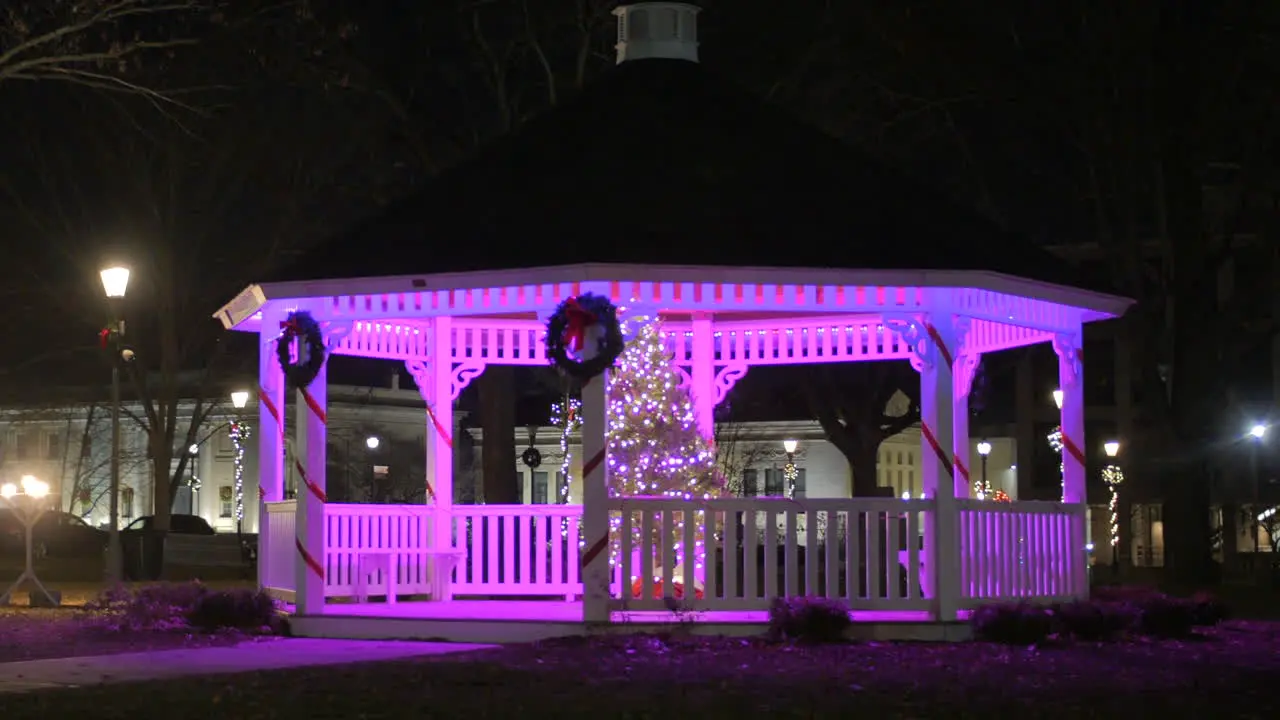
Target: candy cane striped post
1071, 381
271, 439
595, 501
939, 467
309, 462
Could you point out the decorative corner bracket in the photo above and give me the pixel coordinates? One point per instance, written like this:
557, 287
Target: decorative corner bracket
931, 343
686, 381
726, 378
1071, 355
420, 370
462, 376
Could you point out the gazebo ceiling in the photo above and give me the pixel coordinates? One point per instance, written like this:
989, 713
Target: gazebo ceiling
662, 162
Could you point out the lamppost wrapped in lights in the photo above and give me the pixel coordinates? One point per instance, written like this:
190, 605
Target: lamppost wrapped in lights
1055, 442
982, 488
789, 471
239, 432
1112, 475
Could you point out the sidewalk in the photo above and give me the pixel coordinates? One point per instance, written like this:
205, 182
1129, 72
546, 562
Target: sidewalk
245, 657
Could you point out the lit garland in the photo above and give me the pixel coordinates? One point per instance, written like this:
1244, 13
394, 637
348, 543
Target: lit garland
654, 448
1112, 475
567, 422
239, 434
1000, 496
1055, 442
790, 474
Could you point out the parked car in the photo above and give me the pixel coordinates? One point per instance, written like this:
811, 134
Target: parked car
181, 524
55, 534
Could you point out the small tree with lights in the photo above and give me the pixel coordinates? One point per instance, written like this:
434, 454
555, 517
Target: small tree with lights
655, 449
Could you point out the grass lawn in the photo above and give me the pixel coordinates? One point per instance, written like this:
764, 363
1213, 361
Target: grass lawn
28, 633
1228, 672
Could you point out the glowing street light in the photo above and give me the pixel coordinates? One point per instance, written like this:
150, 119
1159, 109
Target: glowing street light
1112, 476
239, 399
983, 488
1057, 398
115, 281
26, 499
372, 442
1257, 432
1111, 447
789, 472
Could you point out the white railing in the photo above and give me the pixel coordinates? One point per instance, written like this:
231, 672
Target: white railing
352, 530
276, 552
867, 553
864, 552
1021, 551
527, 550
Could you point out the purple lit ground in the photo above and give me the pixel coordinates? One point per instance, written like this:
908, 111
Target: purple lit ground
1228, 672
553, 611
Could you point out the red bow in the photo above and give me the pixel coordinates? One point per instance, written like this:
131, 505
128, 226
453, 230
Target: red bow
290, 327
578, 319
104, 337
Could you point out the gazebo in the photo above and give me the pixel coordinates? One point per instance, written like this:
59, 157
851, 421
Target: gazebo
757, 241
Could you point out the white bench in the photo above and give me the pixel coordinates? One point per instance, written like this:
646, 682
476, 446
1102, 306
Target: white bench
387, 561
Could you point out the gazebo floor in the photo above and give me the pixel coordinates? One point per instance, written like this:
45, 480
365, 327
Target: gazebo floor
507, 621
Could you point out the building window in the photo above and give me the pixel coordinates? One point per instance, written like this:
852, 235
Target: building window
126, 503
773, 482
27, 446
750, 483
53, 446
539, 489
801, 488
226, 505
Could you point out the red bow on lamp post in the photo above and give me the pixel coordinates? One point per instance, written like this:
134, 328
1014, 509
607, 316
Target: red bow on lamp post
104, 337
578, 319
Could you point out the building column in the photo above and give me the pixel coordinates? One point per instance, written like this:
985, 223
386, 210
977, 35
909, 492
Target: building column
702, 375
966, 364
935, 339
595, 500
309, 461
1070, 350
271, 429
437, 392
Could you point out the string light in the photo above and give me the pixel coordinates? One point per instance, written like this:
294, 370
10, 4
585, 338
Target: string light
1112, 475
1055, 442
239, 434
654, 447
568, 421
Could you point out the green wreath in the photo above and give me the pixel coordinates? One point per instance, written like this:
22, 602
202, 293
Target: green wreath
567, 336
311, 352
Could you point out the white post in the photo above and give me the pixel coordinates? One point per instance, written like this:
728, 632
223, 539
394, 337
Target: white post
1074, 466
309, 457
438, 395
960, 429
702, 375
942, 537
595, 501
270, 434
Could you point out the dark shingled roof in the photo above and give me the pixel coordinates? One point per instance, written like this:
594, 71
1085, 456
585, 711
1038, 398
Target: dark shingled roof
662, 162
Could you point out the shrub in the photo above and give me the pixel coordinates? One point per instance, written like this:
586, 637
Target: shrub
1208, 610
1095, 621
249, 610
1166, 617
184, 606
1124, 593
151, 607
808, 619
1012, 624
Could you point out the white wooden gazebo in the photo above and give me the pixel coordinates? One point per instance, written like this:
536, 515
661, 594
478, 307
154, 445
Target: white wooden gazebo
720, 322
757, 241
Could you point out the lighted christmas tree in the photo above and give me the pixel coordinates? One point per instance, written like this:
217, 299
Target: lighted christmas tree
655, 448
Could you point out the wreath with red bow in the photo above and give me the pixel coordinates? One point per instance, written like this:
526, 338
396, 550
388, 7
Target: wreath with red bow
578, 323
311, 350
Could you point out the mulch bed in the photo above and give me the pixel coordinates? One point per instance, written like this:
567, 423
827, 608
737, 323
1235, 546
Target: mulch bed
1228, 672
40, 634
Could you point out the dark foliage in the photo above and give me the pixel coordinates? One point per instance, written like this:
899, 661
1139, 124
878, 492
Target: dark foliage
808, 619
1012, 624
1095, 621
245, 610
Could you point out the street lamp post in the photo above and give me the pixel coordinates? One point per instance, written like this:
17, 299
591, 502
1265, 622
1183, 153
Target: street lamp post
239, 434
115, 282
1055, 442
789, 472
27, 501
984, 487
1257, 434
1112, 475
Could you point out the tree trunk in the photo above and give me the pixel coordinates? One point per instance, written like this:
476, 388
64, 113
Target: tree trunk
863, 461
498, 424
161, 498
